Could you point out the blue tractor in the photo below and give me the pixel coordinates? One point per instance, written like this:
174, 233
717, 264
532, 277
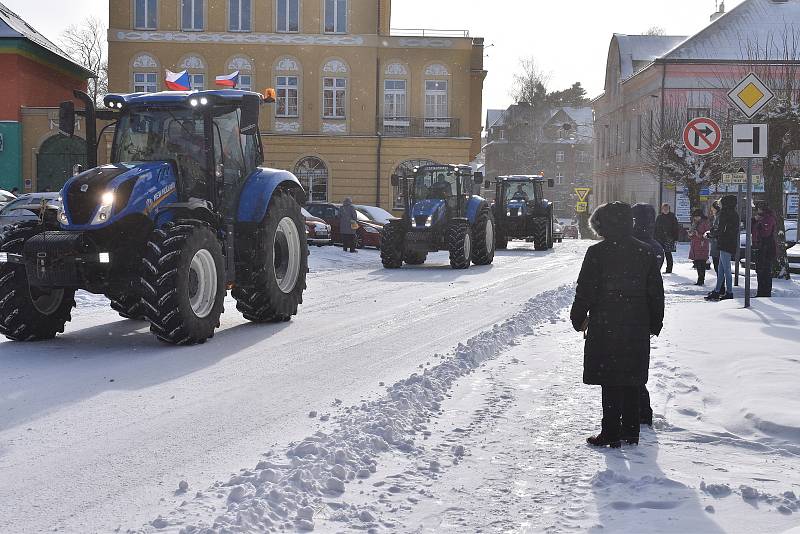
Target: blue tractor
522, 211
441, 213
184, 213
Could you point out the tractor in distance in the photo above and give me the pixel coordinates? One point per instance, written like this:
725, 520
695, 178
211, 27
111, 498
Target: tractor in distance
182, 214
441, 213
522, 212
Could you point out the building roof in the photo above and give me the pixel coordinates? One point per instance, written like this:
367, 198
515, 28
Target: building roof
583, 118
758, 22
13, 27
638, 51
492, 115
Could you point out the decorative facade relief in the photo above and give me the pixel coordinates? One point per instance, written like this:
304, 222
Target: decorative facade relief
240, 64
437, 69
334, 128
396, 69
287, 64
334, 66
145, 61
287, 127
411, 42
192, 62
237, 38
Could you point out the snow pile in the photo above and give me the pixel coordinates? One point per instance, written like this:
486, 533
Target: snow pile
287, 493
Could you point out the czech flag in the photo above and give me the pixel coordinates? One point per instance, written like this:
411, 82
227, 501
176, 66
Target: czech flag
178, 81
229, 80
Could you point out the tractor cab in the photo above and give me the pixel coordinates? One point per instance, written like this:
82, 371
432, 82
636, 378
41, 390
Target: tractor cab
522, 211
439, 192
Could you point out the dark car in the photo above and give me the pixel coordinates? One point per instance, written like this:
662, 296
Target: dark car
28, 207
368, 233
318, 232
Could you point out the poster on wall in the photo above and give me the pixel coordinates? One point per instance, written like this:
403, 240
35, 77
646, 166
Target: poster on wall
683, 207
791, 205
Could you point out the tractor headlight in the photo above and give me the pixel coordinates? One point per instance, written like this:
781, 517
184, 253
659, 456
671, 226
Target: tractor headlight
62, 216
106, 205
429, 221
508, 213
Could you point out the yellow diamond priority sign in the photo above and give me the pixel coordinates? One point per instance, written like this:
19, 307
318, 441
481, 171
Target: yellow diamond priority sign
750, 95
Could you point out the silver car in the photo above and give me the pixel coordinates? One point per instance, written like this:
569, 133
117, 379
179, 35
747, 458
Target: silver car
28, 207
6, 197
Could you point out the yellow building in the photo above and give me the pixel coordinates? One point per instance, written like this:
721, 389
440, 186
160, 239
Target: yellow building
356, 101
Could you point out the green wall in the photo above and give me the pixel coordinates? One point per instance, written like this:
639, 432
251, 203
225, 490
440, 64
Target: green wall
11, 156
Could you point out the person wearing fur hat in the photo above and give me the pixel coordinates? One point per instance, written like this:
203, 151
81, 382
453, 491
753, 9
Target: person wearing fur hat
699, 247
619, 304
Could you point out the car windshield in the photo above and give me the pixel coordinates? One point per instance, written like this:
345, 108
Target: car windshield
361, 217
520, 191
440, 184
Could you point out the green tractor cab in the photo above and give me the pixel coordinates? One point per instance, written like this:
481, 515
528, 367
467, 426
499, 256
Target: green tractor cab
441, 213
522, 212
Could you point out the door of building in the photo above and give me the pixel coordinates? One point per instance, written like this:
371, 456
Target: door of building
57, 155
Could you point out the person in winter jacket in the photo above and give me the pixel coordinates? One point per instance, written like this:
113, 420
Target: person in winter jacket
619, 304
348, 219
667, 233
727, 235
766, 245
714, 249
644, 221
699, 247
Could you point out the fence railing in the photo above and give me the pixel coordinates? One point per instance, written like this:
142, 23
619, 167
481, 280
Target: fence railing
426, 32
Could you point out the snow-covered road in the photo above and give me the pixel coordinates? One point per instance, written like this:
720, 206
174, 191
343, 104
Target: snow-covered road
98, 427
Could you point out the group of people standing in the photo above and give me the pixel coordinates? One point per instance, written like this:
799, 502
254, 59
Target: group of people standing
619, 299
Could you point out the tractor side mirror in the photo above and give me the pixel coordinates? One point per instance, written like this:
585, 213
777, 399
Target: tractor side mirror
477, 177
395, 180
66, 118
251, 106
551, 182
487, 184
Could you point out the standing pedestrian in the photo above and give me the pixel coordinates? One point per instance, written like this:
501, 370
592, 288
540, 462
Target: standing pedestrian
766, 246
727, 236
714, 247
644, 221
699, 247
619, 303
348, 224
667, 233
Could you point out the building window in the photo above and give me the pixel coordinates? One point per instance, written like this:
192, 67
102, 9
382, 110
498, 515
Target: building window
334, 93
313, 175
245, 82
145, 82
583, 157
286, 92
435, 99
559, 178
197, 82
405, 169
560, 156
336, 16
693, 113
288, 15
240, 15
395, 110
192, 15
145, 15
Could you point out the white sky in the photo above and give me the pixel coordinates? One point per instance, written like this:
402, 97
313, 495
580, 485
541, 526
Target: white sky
568, 38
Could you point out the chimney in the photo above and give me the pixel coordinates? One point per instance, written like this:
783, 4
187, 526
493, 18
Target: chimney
720, 11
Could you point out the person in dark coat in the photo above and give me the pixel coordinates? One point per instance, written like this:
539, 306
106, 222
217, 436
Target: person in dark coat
714, 249
347, 219
727, 235
644, 221
667, 232
619, 304
766, 246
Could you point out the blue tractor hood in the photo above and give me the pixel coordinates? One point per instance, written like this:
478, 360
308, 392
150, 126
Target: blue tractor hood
138, 187
423, 209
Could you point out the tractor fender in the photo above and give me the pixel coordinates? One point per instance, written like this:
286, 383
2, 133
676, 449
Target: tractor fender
258, 189
543, 208
474, 205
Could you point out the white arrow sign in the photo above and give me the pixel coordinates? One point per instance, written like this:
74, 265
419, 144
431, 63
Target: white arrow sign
750, 140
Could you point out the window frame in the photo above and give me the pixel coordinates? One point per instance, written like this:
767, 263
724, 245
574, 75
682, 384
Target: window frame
561, 156
146, 3
145, 84
287, 29
395, 93
559, 178
336, 25
242, 86
437, 105
336, 89
239, 29
287, 87
193, 3
192, 76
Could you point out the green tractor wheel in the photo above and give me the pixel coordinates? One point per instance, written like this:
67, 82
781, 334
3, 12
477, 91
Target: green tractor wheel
484, 232
28, 313
281, 264
459, 243
392, 245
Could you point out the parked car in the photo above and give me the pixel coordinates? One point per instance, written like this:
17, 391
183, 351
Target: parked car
6, 197
367, 235
794, 258
558, 232
571, 231
27, 207
375, 214
318, 232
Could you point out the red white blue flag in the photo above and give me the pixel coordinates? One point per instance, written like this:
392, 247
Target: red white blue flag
178, 81
229, 80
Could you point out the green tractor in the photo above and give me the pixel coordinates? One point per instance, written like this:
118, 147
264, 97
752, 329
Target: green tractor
522, 212
441, 213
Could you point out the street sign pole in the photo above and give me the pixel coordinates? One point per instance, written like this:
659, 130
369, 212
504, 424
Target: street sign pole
738, 245
748, 236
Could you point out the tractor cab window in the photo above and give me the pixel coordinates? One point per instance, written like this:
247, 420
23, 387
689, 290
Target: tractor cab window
521, 191
174, 135
436, 185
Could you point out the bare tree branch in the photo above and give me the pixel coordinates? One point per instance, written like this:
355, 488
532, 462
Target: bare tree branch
86, 44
